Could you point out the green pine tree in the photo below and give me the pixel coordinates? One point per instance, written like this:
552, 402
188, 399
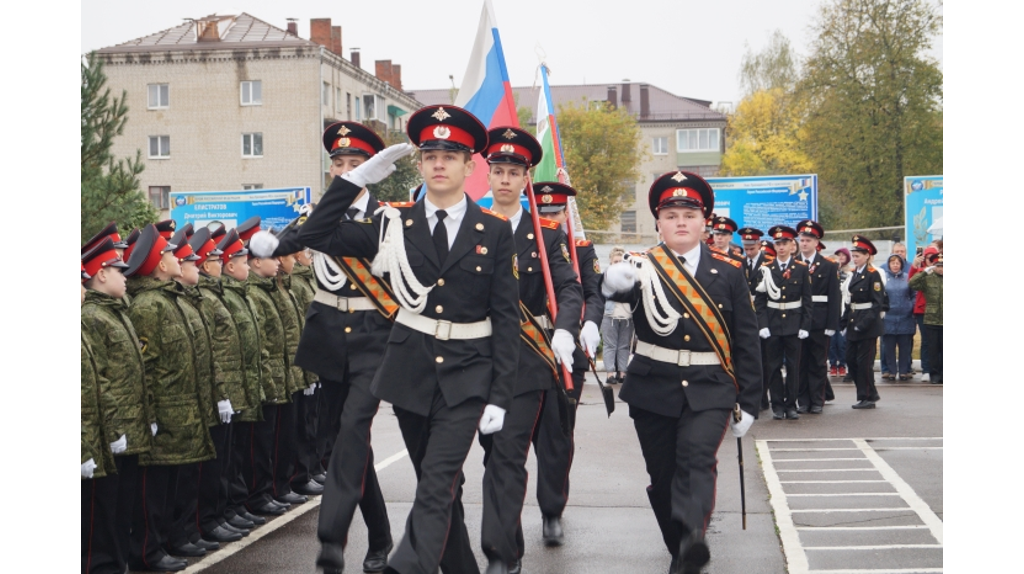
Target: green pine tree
110, 187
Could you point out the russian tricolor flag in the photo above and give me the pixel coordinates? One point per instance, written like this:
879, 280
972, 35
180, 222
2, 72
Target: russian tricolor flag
486, 91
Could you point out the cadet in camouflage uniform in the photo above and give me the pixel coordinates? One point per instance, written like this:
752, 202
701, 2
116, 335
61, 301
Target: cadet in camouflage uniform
158, 312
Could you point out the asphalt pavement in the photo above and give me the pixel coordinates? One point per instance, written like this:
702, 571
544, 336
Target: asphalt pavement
845, 492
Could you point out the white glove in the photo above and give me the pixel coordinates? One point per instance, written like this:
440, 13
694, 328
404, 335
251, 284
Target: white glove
618, 278
801, 334
562, 346
843, 332
120, 445
493, 418
152, 428
740, 428
225, 410
263, 244
312, 389
379, 166
88, 467
830, 332
590, 337
765, 333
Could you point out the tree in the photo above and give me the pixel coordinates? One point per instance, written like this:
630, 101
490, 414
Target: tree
874, 106
772, 67
110, 188
396, 186
602, 155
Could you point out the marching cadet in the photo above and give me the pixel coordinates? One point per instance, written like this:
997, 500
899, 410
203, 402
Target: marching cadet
169, 357
722, 230
862, 320
767, 249
695, 324
826, 307
343, 342
783, 300
510, 154
554, 448
449, 366
751, 238
124, 407
234, 260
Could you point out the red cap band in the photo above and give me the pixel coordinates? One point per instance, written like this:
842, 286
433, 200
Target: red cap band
448, 133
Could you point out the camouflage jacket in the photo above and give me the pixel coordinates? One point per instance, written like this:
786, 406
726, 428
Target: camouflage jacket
292, 321
240, 305
206, 392
304, 288
273, 347
169, 355
94, 443
125, 399
226, 343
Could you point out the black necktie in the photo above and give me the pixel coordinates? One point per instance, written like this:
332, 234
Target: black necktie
352, 212
441, 236
782, 266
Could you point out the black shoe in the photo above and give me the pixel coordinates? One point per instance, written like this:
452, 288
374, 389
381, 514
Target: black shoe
321, 478
186, 549
792, 415
864, 405
802, 409
934, 381
693, 555
231, 528
847, 379
271, 509
257, 520
516, 567
377, 560
311, 488
875, 398
552, 530
815, 410
331, 558
778, 414
291, 498
207, 545
496, 566
222, 534
166, 563
241, 523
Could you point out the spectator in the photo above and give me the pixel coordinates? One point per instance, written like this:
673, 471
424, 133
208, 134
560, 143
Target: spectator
837, 346
899, 248
898, 337
929, 280
919, 307
616, 330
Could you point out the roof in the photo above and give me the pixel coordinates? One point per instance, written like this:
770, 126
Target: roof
665, 106
234, 32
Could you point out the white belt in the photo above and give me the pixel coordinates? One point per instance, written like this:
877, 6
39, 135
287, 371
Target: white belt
819, 298
441, 329
860, 306
676, 357
343, 303
784, 306
544, 322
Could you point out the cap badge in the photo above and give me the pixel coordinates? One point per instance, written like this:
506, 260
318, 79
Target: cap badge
679, 176
509, 135
344, 131
508, 148
344, 142
171, 225
440, 115
547, 189
546, 198
442, 132
679, 192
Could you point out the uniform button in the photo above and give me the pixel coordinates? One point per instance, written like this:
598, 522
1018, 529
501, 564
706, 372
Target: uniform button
686, 338
439, 359
348, 329
686, 315
529, 236
479, 226
719, 305
408, 223
783, 315
483, 251
686, 383
439, 309
440, 282
530, 269
477, 268
783, 287
351, 310
352, 287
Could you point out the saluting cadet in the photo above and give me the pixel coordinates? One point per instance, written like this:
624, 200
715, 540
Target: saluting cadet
510, 154
450, 361
553, 447
783, 300
864, 294
695, 324
343, 342
826, 308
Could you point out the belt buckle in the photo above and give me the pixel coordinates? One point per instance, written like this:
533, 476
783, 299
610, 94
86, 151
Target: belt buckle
342, 304
443, 330
683, 359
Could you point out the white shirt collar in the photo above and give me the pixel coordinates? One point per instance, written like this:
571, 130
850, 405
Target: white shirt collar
810, 259
690, 259
861, 268
786, 262
454, 212
515, 219
361, 204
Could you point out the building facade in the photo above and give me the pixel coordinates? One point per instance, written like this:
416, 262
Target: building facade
232, 102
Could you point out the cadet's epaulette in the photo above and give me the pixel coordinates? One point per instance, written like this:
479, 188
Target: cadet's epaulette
583, 243
870, 269
723, 257
548, 223
801, 262
494, 213
768, 261
398, 203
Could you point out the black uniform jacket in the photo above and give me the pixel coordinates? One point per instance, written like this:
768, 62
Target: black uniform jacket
334, 341
476, 281
666, 388
534, 373
865, 287
825, 281
754, 274
797, 287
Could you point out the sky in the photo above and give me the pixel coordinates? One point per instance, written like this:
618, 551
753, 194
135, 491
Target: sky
689, 48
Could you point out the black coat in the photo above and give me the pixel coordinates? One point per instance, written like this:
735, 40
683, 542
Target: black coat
797, 287
754, 275
825, 281
865, 287
476, 281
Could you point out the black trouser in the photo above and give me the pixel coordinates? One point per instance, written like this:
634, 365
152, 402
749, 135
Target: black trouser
285, 448
151, 519
438, 445
331, 399
554, 450
127, 498
259, 463
766, 375
860, 358
183, 527
813, 370
505, 476
100, 551
213, 481
681, 458
237, 477
351, 478
784, 389
933, 334
307, 463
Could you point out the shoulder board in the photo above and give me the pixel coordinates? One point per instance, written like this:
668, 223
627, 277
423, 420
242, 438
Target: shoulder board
548, 223
494, 213
768, 261
870, 269
801, 262
583, 243
398, 203
722, 257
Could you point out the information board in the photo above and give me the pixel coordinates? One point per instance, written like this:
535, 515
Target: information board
923, 210
276, 207
766, 201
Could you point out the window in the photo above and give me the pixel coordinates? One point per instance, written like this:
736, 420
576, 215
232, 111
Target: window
660, 146
337, 98
252, 186
159, 96
252, 145
627, 222
374, 108
704, 139
252, 93
325, 94
359, 112
159, 147
160, 196
348, 106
